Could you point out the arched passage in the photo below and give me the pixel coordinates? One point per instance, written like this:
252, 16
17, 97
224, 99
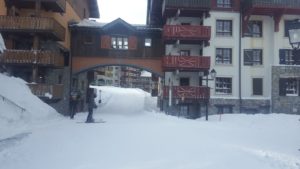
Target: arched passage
83, 64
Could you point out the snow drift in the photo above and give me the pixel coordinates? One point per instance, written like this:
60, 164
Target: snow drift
19, 106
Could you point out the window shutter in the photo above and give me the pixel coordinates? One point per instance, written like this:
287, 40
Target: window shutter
282, 56
248, 57
261, 57
282, 87
132, 43
105, 42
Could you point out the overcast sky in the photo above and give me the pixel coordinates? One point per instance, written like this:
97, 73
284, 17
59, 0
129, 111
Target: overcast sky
132, 11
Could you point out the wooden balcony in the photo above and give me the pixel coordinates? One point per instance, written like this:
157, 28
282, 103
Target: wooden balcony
53, 5
188, 92
273, 8
186, 32
47, 27
29, 57
272, 4
187, 7
186, 63
47, 91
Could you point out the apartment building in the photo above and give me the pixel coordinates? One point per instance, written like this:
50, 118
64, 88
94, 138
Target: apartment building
37, 39
248, 47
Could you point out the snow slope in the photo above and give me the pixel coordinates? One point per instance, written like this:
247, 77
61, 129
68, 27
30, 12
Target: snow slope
20, 109
137, 136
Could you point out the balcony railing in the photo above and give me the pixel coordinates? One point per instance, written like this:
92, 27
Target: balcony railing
47, 91
186, 32
53, 5
43, 26
195, 63
187, 92
41, 58
273, 3
203, 4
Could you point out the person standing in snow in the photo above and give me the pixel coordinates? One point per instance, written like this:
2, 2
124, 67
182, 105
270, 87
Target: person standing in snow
74, 98
91, 105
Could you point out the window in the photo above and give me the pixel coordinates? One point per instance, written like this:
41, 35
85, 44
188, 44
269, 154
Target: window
289, 87
184, 110
224, 4
254, 29
119, 42
286, 57
184, 53
257, 86
184, 81
224, 27
224, 109
223, 56
223, 85
287, 24
252, 57
148, 42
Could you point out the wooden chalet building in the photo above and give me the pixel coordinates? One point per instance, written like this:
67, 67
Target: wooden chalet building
37, 38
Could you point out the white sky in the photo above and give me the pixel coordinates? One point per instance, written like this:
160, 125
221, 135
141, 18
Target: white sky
132, 11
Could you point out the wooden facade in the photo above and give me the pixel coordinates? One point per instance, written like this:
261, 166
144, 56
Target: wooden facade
47, 91
30, 57
53, 5
43, 26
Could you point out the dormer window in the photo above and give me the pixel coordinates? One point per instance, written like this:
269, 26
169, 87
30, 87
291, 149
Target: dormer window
119, 42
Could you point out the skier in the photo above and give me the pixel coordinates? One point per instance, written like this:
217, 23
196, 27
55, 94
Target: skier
74, 98
91, 105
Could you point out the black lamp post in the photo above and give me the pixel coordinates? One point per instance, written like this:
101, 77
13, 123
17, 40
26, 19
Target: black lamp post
294, 38
213, 75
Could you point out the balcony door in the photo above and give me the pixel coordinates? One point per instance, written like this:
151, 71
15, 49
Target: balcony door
185, 52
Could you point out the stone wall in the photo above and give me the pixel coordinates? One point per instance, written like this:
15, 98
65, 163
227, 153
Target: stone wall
284, 104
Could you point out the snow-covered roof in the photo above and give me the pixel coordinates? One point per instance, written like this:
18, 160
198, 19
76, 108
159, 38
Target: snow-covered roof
2, 44
90, 23
146, 74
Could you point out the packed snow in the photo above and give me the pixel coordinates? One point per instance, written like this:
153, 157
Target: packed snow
136, 135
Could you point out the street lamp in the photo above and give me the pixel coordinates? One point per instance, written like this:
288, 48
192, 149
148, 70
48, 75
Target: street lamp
213, 75
294, 38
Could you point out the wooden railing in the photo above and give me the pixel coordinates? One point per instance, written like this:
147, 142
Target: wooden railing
186, 62
32, 24
47, 91
186, 32
41, 58
187, 92
53, 5
273, 3
187, 4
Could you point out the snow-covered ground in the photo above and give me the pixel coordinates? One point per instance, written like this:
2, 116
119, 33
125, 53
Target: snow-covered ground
137, 136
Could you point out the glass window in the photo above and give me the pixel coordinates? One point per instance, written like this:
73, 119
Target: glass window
224, 27
253, 57
184, 52
148, 42
223, 85
254, 29
224, 3
224, 56
119, 42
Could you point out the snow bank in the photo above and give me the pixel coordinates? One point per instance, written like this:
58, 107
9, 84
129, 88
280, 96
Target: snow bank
19, 106
122, 101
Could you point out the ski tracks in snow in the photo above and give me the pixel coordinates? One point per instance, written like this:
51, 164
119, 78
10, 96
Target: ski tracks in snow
275, 159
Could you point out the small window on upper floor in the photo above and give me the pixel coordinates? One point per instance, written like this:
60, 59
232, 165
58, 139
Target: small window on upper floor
254, 29
119, 42
148, 42
287, 24
185, 52
224, 28
224, 3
